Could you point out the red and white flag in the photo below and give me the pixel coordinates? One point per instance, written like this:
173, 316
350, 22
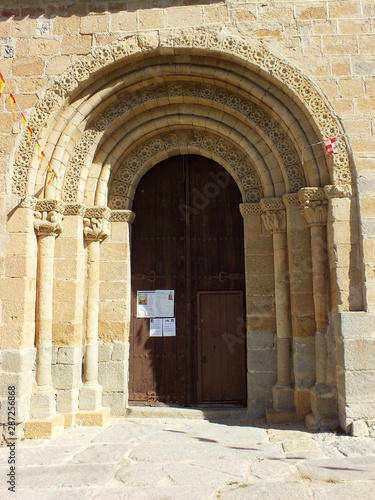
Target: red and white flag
331, 145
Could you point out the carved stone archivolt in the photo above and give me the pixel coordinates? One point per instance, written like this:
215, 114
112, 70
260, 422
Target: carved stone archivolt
184, 139
248, 50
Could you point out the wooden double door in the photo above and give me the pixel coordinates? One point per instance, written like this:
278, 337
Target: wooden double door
188, 237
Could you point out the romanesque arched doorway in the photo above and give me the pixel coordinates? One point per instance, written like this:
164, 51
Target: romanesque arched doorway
127, 107
188, 238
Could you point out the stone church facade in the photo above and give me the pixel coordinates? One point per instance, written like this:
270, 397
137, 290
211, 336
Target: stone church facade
112, 89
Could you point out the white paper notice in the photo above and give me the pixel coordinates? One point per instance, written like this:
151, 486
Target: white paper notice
146, 304
164, 303
156, 327
169, 327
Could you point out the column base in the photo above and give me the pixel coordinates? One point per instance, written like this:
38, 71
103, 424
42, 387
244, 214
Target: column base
324, 401
97, 418
90, 396
43, 403
69, 420
283, 398
44, 429
280, 417
315, 424
324, 408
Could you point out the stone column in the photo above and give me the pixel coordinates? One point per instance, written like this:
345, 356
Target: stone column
95, 231
323, 401
48, 225
274, 219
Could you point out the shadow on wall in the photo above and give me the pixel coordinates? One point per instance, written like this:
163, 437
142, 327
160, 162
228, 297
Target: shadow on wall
20, 9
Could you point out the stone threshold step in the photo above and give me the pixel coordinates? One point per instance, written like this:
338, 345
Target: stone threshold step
192, 413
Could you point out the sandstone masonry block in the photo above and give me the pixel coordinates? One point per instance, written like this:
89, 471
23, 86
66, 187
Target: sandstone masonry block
66, 376
75, 44
340, 45
344, 9
43, 47
66, 25
184, 16
30, 66
216, 14
311, 12
57, 65
151, 19
351, 87
124, 21
112, 376
94, 24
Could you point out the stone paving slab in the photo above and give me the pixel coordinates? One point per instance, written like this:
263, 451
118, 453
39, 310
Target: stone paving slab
170, 458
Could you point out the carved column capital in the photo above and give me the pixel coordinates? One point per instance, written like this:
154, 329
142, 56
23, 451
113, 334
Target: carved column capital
313, 203
274, 214
95, 229
96, 223
48, 217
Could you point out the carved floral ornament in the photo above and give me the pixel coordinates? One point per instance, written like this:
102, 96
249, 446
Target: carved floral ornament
224, 149
314, 205
239, 47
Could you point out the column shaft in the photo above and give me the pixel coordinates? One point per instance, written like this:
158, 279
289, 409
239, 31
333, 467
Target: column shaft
46, 247
91, 366
282, 304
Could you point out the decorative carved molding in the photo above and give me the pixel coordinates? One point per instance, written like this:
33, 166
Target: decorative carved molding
98, 213
48, 223
226, 150
75, 209
246, 49
272, 204
291, 200
122, 216
343, 191
250, 209
50, 205
29, 202
95, 229
311, 193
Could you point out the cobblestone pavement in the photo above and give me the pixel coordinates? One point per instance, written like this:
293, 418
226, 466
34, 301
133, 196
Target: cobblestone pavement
175, 458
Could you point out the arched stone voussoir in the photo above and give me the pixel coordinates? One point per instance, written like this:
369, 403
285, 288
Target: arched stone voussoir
249, 53
153, 150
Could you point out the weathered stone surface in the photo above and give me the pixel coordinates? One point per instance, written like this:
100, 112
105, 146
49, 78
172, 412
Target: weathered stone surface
280, 490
